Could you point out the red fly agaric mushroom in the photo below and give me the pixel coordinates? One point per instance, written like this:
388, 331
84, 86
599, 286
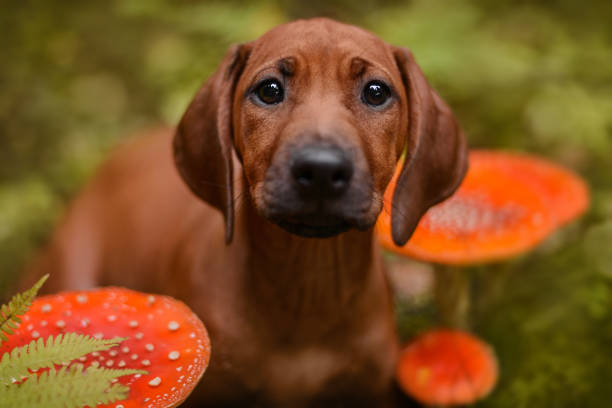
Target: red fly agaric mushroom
447, 367
506, 205
164, 337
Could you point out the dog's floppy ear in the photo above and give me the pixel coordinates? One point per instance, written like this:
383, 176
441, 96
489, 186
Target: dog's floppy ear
203, 139
436, 154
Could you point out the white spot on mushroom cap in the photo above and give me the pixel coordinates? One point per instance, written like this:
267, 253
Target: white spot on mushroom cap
111, 318
46, 308
125, 349
139, 336
149, 347
133, 324
146, 363
61, 324
150, 300
35, 334
174, 355
173, 326
134, 356
113, 353
155, 382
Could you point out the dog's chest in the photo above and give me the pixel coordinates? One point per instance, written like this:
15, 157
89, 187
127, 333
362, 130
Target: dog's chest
306, 372
318, 372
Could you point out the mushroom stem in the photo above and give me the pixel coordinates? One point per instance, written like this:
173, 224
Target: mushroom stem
452, 295
493, 286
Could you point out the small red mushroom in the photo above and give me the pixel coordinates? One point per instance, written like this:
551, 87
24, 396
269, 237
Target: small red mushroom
164, 337
447, 367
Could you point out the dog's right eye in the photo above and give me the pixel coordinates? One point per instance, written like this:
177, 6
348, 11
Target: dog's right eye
376, 93
270, 92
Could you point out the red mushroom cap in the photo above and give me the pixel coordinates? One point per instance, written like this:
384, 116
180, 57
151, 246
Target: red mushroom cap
507, 204
446, 367
164, 337
565, 193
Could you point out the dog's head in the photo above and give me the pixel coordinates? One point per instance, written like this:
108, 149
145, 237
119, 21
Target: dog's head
318, 113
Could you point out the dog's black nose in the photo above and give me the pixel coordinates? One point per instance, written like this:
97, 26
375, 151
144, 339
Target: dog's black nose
321, 171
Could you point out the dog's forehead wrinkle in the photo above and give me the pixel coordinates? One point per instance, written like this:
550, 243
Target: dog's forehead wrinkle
286, 66
321, 38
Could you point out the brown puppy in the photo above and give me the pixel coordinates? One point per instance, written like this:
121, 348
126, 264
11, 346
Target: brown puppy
291, 144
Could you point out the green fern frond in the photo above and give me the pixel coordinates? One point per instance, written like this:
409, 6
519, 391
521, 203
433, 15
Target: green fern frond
71, 387
17, 306
57, 350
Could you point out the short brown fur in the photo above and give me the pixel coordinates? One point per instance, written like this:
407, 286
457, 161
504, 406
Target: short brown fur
294, 321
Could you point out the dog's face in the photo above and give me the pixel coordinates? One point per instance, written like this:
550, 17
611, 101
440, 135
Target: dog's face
318, 113
319, 119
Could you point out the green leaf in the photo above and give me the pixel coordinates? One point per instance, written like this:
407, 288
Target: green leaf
57, 350
17, 306
71, 387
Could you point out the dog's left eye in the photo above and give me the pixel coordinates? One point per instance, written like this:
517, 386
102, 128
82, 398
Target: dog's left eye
270, 92
376, 93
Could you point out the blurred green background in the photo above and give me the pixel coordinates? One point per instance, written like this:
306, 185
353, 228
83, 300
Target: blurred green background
77, 77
